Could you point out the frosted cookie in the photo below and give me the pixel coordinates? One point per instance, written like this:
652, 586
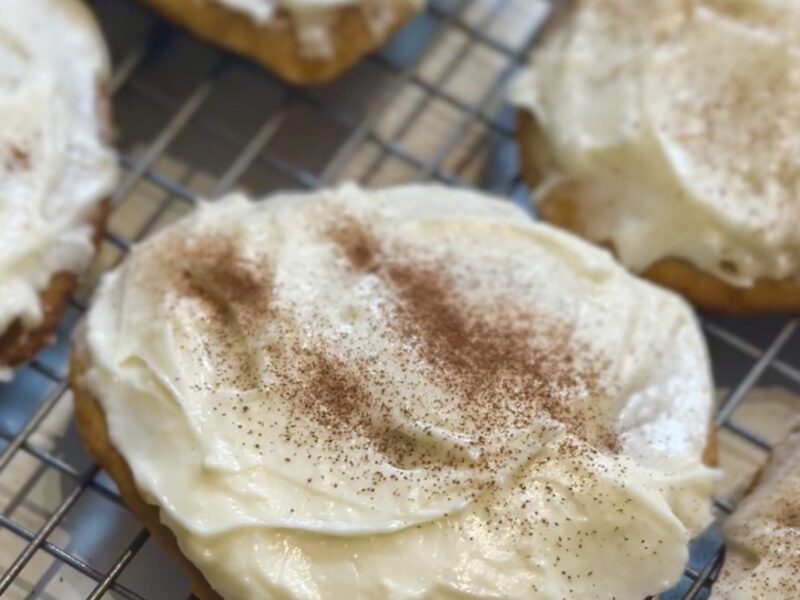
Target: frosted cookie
414, 392
302, 41
668, 131
56, 167
762, 559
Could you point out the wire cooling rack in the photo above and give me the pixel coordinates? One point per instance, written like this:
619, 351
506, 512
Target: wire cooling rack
196, 122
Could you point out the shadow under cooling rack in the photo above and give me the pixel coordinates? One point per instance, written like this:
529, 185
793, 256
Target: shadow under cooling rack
193, 122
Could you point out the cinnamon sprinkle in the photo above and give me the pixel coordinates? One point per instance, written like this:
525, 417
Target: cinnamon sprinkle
217, 275
501, 368
488, 359
359, 247
236, 294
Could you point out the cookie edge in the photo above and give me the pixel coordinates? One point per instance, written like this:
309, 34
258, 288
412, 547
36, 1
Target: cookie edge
703, 290
274, 45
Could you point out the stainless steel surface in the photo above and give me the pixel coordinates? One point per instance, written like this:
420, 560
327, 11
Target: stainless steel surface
195, 122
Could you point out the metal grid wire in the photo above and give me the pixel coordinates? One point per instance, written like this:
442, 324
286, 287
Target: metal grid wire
196, 122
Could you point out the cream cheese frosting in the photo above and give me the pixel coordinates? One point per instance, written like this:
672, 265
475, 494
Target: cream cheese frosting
762, 559
414, 392
311, 17
54, 164
672, 125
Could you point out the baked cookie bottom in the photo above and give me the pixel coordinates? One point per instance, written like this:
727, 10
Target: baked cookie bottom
90, 421
702, 289
19, 344
275, 44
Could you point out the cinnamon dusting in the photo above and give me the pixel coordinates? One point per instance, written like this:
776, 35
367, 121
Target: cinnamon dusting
357, 244
490, 359
17, 159
236, 294
219, 276
501, 368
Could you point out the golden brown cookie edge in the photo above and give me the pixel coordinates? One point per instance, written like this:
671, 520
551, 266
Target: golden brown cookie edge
20, 344
275, 45
703, 290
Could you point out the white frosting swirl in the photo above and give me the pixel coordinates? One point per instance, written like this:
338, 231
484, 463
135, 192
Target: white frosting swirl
763, 535
54, 165
408, 393
673, 126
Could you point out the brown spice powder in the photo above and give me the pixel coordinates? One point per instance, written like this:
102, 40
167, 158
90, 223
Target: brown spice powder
236, 293
499, 366
487, 358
